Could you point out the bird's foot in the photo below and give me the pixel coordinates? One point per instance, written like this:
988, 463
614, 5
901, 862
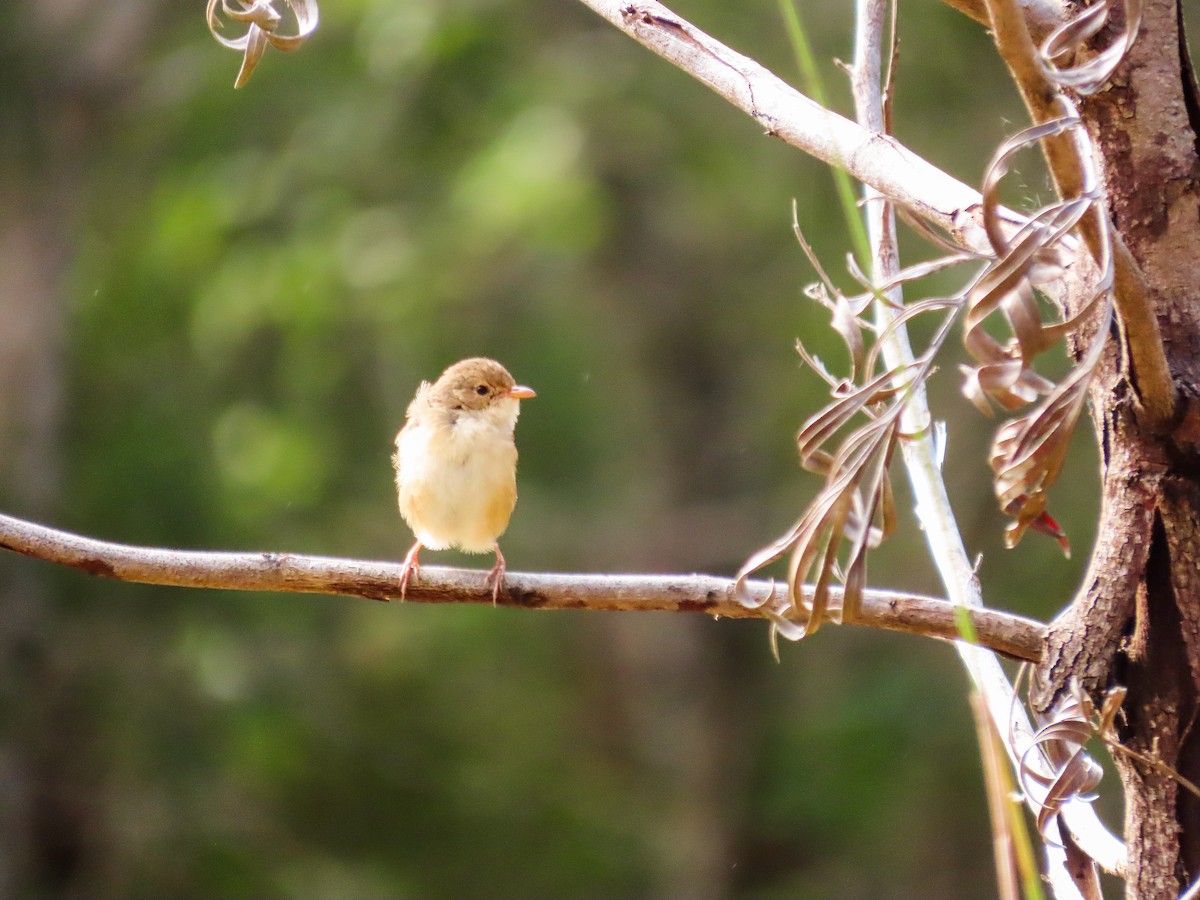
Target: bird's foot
496, 576
410, 568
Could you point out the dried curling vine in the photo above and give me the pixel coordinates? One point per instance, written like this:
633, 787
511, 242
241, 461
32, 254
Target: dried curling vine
854, 509
262, 23
1069, 42
1028, 452
855, 506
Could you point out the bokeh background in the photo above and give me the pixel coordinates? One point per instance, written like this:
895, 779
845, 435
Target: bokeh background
214, 308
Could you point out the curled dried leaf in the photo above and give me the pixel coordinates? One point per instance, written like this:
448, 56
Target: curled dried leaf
1008, 382
855, 494
994, 221
263, 23
855, 508
846, 319
1039, 252
910, 312
855, 505
1061, 742
1066, 42
1005, 372
1028, 453
848, 401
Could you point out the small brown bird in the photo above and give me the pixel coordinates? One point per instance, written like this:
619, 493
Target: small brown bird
456, 463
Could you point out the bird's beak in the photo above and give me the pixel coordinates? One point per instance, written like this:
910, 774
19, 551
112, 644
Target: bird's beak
520, 392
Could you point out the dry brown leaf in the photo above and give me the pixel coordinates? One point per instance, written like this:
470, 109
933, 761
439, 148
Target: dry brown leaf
1028, 452
848, 402
850, 442
856, 489
1071, 37
262, 23
993, 218
1062, 741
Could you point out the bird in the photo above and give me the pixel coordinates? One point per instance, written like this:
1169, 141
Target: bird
456, 463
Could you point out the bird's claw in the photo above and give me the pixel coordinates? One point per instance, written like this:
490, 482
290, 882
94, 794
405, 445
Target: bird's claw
411, 566
496, 576
496, 580
409, 571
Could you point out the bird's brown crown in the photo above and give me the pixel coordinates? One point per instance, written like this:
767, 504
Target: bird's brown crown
471, 384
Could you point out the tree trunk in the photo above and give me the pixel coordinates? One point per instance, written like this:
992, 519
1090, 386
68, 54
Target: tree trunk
1136, 619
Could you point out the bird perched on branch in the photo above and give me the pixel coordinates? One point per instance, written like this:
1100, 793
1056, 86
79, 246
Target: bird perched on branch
456, 463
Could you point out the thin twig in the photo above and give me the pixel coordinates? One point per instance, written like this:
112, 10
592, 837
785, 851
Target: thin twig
1012, 635
1150, 762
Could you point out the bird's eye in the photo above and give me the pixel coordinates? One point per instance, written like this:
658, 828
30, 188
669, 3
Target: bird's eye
481, 390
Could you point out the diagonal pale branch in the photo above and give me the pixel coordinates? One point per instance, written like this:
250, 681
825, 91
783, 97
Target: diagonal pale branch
933, 505
875, 159
1012, 635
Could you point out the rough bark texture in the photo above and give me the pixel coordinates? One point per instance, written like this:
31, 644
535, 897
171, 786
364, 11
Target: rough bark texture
1136, 620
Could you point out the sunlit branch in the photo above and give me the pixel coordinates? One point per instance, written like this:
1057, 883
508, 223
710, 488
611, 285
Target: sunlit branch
875, 159
293, 573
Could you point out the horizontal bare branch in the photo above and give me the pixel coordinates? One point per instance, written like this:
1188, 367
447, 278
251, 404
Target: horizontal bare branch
288, 572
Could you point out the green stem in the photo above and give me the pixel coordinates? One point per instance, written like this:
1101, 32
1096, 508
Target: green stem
814, 86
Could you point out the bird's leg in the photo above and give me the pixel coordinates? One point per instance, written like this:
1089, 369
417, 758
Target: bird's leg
410, 568
496, 576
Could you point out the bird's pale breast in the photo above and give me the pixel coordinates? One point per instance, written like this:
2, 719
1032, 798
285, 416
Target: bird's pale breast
457, 480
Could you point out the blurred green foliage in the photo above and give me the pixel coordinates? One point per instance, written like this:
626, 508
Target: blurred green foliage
255, 284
